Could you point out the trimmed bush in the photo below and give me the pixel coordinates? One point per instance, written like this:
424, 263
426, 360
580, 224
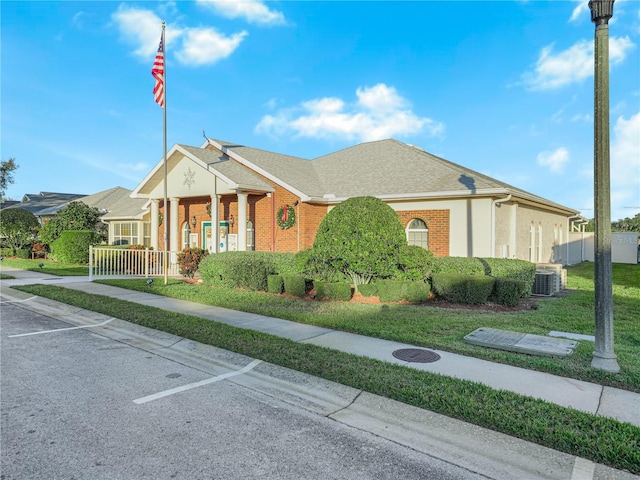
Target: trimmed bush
189, 259
294, 285
399, 290
513, 269
281, 263
72, 246
361, 237
236, 270
310, 265
466, 289
23, 253
415, 263
458, 265
369, 290
275, 284
333, 291
508, 291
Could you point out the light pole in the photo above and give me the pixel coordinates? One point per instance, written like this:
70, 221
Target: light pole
603, 356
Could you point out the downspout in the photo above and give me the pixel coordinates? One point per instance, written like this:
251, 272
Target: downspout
493, 222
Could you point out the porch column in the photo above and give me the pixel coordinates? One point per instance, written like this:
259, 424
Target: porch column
242, 221
155, 223
215, 224
174, 228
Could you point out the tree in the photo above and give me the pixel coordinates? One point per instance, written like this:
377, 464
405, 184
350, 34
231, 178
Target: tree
627, 224
18, 228
361, 238
75, 216
7, 167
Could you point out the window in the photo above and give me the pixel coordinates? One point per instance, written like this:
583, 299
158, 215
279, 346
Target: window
418, 233
532, 243
539, 243
251, 234
186, 232
125, 233
146, 234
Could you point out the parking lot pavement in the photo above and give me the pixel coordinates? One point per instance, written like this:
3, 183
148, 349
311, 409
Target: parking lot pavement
89, 396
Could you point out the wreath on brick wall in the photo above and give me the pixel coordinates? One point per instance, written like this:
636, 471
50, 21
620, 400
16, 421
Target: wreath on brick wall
286, 217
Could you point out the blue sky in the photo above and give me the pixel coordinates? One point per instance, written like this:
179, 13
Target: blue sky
504, 87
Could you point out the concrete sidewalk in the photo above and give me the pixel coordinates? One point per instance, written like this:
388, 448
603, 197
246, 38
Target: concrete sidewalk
588, 397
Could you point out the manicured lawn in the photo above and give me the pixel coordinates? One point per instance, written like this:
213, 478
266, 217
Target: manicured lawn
48, 266
444, 328
600, 439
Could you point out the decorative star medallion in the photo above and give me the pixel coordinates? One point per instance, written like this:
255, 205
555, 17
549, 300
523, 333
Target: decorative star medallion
189, 178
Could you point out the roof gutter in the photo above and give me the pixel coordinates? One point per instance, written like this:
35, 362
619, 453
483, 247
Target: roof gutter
494, 203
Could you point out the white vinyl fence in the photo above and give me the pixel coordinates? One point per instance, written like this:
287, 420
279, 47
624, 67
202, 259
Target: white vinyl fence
111, 262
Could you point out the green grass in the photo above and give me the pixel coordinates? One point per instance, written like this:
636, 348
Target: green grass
4, 276
48, 266
600, 439
444, 328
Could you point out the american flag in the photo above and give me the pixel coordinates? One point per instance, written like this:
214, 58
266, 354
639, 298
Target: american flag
158, 73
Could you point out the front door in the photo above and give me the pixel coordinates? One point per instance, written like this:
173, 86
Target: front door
207, 237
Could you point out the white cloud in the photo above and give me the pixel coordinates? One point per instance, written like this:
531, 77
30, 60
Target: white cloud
253, 11
141, 28
625, 154
195, 46
554, 161
573, 65
204, 46
379, 113
580, 11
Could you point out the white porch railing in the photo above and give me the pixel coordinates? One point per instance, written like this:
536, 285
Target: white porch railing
110, 262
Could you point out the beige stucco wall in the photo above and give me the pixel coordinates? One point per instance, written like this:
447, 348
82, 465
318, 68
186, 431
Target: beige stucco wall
470, 223
554, 235
186, 178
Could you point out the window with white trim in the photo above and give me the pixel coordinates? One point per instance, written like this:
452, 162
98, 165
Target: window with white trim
186, 232
125, 233
251, 235
418, 233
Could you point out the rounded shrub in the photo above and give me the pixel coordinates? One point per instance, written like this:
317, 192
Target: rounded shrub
236, 270
275, 284
18, 228
361, 237
415, 263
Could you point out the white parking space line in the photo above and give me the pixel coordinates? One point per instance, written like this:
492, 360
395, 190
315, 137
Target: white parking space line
18, 301
201, 383
583, 469
60, 329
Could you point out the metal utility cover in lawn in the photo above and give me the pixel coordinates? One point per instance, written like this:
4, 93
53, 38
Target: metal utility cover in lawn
521, 342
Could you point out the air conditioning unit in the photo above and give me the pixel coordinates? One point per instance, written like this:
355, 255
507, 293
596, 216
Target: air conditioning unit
544, 284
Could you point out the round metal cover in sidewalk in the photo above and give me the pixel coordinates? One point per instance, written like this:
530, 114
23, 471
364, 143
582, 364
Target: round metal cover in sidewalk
416, 355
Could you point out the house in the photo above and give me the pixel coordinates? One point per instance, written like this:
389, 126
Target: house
44, 205
226, 196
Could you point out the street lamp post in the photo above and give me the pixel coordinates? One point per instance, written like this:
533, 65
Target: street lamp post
603, 356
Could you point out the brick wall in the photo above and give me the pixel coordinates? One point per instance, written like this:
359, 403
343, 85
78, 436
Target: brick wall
438, 224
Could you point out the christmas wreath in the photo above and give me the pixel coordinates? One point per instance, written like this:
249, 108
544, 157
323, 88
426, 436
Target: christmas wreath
286, 217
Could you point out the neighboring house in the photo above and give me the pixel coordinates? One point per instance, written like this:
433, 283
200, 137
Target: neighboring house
44, 204
127, 218
225, 196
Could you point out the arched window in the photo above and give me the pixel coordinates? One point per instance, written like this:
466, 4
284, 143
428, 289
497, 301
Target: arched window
251, 235
418, 233
186, 232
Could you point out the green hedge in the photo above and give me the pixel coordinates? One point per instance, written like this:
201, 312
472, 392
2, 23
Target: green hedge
368, 289
458, 265
399, 290
275, 284
72, 246
23, 252
466, 289
333, 291
236, 270
508, 291
512, 269
415, 263
294, 285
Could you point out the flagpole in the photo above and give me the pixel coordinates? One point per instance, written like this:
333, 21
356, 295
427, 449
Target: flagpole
164, 146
